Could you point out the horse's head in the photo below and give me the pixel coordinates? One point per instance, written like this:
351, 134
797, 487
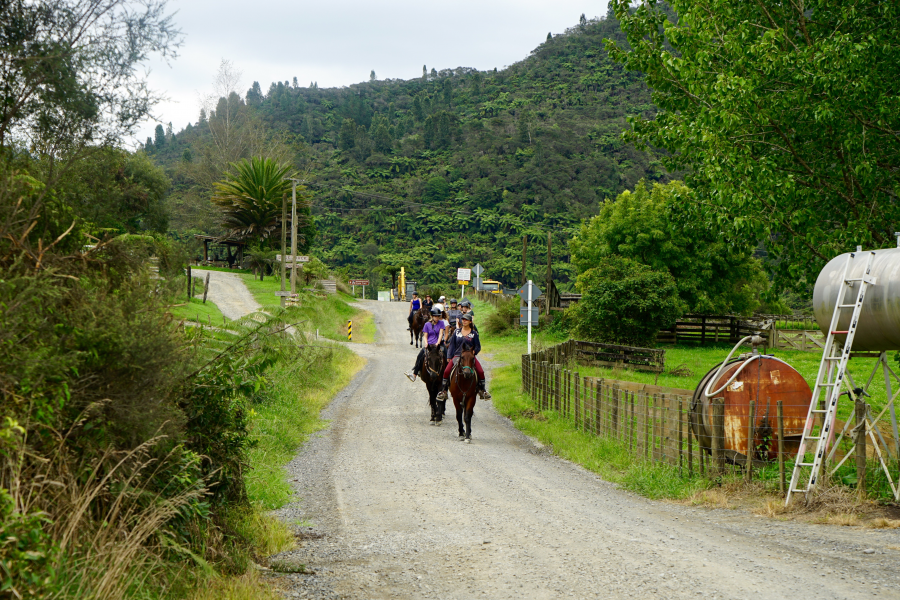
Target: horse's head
434, 358
467, 360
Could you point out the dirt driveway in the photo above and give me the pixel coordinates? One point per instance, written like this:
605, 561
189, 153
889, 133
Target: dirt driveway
391, 507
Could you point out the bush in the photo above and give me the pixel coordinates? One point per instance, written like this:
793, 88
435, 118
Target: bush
624, 302
504, 318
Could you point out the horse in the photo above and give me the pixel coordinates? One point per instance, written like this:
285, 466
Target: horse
432, 376
420, 317
464, 389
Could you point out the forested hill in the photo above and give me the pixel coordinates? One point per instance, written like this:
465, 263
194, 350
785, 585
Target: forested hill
445, 170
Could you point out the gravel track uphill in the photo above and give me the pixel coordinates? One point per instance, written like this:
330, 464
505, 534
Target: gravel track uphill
390, 507
228, 292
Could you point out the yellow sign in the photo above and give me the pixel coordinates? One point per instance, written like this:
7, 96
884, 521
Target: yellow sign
460, 282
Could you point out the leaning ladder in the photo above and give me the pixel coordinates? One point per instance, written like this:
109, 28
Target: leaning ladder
830, 354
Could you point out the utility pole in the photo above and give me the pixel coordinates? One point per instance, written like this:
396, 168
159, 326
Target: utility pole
283, 242
524, 255
549, 269
294, 238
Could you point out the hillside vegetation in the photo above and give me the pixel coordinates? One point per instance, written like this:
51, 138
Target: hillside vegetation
442, 171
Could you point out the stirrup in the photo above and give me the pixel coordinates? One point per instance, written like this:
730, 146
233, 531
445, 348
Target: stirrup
442, 395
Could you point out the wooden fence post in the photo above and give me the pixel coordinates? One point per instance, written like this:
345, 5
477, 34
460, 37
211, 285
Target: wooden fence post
206, 288
631, 425
190, 280
680, 448
647, 454
558, 388
781, 481
577, 408
751, 446
614, 412
718, 433
860, 447
690, 442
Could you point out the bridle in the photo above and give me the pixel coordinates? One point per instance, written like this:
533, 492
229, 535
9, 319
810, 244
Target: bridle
437, 373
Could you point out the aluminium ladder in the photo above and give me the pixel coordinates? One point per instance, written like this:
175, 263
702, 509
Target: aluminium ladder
824, 381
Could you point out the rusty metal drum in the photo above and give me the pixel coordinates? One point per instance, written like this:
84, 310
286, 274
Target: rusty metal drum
879, 322
765, 380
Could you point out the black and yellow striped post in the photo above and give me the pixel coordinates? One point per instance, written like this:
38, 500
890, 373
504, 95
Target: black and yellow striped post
349, 331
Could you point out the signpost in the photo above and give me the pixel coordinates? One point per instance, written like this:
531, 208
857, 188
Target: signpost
362, 282
529, 292
292, 260
478, 270
463, 276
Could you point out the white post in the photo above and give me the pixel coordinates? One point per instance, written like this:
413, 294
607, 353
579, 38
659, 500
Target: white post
462, 291
528, 292
364, 293
354, 291
294, 238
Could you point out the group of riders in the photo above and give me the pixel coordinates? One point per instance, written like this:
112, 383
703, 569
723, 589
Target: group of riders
451, 329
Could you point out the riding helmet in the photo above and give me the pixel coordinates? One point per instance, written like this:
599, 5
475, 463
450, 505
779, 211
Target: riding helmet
466, 317
436, 311
452, 300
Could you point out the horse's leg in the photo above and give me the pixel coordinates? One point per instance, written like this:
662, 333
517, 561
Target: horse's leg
459, 418
431, 402
470, 410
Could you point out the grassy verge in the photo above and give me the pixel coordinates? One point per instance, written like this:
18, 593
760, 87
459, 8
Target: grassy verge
196, 311
289, 415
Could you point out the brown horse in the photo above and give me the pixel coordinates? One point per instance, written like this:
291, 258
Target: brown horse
464, 389
420, 317
432, 375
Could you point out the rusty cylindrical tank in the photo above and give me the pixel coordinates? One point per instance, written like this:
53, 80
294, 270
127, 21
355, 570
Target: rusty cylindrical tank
879, 322
766, 380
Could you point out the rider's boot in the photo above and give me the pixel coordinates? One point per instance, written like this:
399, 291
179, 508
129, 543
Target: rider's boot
442, 395
442, 409
483, 393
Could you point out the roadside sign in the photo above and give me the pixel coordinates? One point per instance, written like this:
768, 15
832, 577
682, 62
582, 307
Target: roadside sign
463, 274
359, 282
286, 294
289, 258
462, 282
524, 313
532, 290
478, 270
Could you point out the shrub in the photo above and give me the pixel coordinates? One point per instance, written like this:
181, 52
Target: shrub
505, 317
624, 302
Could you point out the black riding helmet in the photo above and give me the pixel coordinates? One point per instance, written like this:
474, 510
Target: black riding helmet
452, 300
435, 312
466, 317
465, 303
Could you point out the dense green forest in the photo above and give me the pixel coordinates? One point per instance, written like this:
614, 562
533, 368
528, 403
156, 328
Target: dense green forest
438, 172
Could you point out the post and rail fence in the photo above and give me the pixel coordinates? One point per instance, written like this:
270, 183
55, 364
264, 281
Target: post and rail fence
651, 422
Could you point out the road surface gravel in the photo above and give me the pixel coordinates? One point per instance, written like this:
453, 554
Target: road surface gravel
391, 507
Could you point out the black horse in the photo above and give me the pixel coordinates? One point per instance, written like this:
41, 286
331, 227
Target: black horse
432, 374
419, 318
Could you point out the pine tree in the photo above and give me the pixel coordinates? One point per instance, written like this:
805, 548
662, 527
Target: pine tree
296, 85
549, 36
148, 147
582, 21
347, 137
372, 76
424, 73
417, 108
448, 93
159, 140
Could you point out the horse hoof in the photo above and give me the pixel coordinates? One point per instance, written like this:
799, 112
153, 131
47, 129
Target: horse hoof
468, 440
438, 423
432, 422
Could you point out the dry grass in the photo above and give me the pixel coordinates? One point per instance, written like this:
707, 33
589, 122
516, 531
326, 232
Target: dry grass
715, 498
104, 519
842, 519
883, 523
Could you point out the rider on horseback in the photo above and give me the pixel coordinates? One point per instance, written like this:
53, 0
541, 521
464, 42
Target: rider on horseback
467, 335
453, 315
434, 331
414, 305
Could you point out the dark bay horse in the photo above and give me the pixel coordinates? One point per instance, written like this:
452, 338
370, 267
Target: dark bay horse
432, 375
420, 317
464, 389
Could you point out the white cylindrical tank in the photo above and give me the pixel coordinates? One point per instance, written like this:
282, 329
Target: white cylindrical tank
879, 322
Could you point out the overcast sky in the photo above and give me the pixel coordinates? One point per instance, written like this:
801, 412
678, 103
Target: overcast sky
338, 42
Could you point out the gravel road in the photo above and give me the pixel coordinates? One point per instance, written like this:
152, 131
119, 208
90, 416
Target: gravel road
228, 292
390, 507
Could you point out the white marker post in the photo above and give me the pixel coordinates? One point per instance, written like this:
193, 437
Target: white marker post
529, 292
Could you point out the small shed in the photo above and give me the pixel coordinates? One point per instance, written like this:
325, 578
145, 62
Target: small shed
227, 244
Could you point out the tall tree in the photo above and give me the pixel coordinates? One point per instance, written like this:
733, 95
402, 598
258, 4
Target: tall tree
784, 115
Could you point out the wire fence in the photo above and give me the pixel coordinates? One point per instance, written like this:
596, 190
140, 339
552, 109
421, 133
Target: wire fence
710, 438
